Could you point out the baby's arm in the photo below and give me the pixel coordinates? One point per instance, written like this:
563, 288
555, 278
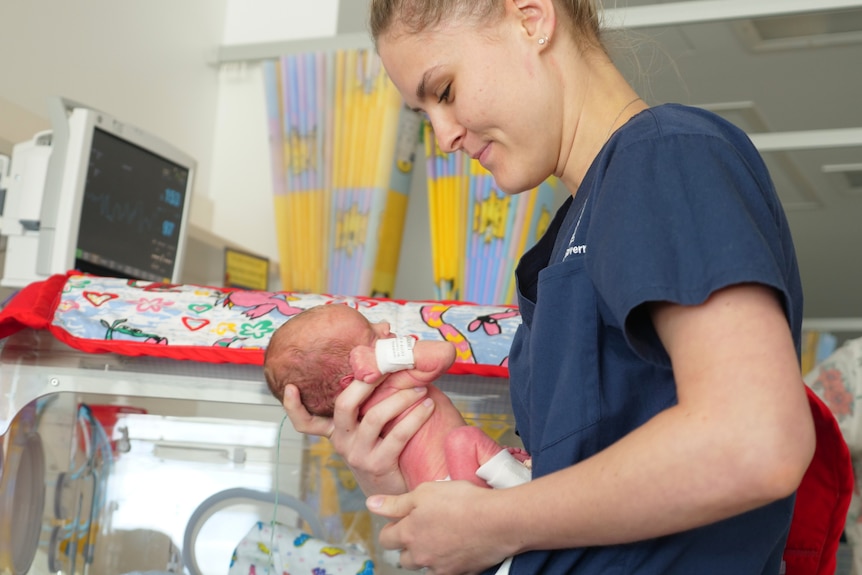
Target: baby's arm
429, 359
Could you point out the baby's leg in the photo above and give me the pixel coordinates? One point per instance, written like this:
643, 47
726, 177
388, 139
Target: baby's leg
467, 448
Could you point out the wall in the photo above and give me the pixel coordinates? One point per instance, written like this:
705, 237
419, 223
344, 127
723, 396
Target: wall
258, 21
145, 62
16, 125
152, 63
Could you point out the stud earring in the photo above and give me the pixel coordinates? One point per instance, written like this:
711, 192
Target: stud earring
543, 40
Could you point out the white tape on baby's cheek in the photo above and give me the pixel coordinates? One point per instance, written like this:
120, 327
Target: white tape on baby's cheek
394, 354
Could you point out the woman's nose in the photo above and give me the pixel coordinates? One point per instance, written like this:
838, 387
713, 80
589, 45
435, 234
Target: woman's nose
449, 133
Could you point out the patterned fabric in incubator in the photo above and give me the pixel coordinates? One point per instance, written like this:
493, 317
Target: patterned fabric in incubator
290, 550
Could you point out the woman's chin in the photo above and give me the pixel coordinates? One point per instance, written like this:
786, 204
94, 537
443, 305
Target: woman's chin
511, 188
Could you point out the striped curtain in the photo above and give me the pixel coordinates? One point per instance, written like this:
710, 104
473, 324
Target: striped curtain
478, 233
342, 146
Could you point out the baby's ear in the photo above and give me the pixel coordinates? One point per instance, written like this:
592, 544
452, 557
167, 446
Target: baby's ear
345, 380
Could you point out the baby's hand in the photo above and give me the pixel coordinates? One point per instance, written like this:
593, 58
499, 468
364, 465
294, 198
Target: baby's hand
363, 362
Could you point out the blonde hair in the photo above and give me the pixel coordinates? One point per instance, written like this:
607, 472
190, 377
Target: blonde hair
583, 17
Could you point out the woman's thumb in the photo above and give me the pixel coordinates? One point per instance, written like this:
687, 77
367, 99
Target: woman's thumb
391, 506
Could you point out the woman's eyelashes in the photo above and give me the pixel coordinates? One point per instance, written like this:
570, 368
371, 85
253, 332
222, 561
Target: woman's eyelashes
444, 97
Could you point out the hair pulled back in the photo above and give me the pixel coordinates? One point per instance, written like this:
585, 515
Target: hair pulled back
582, 17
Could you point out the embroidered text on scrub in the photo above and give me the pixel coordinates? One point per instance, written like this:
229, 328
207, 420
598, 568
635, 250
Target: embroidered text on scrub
394, 354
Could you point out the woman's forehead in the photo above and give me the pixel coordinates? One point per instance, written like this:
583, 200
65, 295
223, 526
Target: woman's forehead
408, 57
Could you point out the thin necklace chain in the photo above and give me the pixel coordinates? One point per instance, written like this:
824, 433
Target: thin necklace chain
611, 127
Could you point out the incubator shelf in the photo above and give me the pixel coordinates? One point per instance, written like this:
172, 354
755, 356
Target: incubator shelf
34, 364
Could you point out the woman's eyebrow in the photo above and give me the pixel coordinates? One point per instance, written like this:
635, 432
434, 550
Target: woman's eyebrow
422, 88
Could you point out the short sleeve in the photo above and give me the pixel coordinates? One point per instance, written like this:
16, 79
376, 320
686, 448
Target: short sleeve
676, 218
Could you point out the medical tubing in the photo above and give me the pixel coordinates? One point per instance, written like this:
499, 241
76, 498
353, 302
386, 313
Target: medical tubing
207, 508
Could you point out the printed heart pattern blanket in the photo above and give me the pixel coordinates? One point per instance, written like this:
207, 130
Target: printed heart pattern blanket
224, 325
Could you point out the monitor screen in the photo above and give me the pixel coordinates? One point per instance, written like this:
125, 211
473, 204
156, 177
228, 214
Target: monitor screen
131, 211
116, 199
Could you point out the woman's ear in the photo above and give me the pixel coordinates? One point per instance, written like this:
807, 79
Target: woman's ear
538, 18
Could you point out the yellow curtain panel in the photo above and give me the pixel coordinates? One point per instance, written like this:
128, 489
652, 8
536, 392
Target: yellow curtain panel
342, 146
478, 232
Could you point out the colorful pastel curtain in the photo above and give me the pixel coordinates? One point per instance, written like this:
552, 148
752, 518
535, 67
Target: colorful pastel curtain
342, 146
478, 232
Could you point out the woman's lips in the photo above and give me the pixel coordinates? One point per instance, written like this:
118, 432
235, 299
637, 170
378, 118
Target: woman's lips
482, 153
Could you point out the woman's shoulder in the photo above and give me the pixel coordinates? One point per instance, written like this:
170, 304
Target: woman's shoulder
676, 128
669, 120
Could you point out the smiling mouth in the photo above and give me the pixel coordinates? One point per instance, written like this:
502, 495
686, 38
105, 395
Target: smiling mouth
480, 152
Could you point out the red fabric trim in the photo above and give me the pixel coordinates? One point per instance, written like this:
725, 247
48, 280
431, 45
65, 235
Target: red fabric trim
33, 306
207, 354
822, 499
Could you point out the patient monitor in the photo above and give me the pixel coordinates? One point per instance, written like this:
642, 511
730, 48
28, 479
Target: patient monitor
96, 195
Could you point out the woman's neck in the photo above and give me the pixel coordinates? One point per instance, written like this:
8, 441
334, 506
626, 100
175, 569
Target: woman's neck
600, 105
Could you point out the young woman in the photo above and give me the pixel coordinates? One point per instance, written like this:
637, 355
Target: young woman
655, 379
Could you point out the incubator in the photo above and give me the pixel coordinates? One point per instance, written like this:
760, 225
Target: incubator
116, 464
103, 476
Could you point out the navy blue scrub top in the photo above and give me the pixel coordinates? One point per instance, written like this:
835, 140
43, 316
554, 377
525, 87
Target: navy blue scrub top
677, 205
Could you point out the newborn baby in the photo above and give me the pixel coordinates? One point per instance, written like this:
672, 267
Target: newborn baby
323, 349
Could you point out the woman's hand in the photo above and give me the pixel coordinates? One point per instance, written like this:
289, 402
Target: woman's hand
357, 439
451, 538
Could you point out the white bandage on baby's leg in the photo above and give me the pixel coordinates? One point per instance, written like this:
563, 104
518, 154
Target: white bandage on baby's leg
394, 354
503, 470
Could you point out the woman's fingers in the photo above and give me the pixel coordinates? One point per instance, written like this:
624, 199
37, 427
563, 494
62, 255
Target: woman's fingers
369, 430
348, 404
440, 537
359, 437
302, 420
374, 459
404, 430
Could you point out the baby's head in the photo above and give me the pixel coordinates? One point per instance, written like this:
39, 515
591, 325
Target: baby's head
312, 351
